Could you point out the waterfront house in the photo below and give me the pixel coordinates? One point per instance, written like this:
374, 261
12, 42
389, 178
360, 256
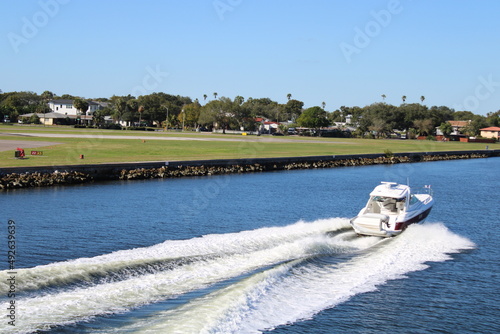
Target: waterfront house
66, 107
457, 127
491, 132
55, 118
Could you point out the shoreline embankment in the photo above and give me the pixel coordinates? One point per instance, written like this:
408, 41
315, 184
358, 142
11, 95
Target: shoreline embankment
44, 176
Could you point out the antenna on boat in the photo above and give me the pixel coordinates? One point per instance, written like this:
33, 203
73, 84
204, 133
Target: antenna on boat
408, 181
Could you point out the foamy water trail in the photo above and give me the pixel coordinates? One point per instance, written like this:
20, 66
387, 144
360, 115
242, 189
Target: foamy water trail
267, 268
298, 290
218, 258
144, 260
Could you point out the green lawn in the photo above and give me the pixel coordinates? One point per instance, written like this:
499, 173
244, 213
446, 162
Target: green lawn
101, 149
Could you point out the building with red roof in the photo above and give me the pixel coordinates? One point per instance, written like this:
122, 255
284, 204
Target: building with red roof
491, 132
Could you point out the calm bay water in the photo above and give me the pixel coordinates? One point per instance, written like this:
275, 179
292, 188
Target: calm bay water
265, 252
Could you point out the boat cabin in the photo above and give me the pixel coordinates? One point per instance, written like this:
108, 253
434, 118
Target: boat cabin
388, 198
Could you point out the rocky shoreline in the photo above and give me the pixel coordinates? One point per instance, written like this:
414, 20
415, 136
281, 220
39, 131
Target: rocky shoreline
205, 168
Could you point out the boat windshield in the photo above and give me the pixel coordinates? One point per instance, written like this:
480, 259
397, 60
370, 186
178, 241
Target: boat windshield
383, 204
413, 199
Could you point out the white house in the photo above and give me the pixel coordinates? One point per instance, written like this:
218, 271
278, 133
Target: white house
66, 107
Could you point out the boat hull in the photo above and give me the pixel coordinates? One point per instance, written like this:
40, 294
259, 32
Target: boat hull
383, 226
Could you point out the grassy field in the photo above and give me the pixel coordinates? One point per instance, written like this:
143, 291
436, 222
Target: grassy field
97, 147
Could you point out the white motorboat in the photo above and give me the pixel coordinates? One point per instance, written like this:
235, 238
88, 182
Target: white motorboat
391, 208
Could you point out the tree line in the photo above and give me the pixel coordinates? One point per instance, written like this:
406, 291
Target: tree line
160, 109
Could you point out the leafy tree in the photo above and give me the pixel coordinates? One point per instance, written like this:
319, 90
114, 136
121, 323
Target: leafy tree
383, 97
493, 119
263, 107
217, 113
283, 128
14, 104
107, 111
382, 111
242, 114
156, 105
81, 105
101, 99
412, 133
42, 108
381, 127
468, 130
171, 110
313, 117
293, 109
34, 119
239, 100
98, 117
446, 129
47, 96
410, 113
120, 107
335, 116
191, 114
424, 127
478, 122
68, 97
463, 116
439, 115
140, 110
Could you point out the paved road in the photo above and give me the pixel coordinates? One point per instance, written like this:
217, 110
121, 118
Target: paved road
200, 138
8, 145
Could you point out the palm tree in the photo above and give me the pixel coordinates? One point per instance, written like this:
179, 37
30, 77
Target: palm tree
403, 98
383, 97
46, 97
140, 110
81, 105
422, 98
323, 104
215, 95
289, 96
204, 97
239, 100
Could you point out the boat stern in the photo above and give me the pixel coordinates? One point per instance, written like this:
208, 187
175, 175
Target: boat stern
373, 224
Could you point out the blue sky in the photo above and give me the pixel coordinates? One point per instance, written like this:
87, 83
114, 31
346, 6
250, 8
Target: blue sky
338, 52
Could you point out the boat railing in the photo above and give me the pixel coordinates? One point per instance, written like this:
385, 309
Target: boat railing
426, 190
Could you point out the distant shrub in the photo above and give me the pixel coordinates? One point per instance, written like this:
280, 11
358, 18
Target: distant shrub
388, 153
369, 135
112, 126
431, 137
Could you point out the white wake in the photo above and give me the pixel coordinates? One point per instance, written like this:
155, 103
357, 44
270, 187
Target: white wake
278, 263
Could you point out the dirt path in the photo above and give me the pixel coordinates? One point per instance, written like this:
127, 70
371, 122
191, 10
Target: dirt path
7, 145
